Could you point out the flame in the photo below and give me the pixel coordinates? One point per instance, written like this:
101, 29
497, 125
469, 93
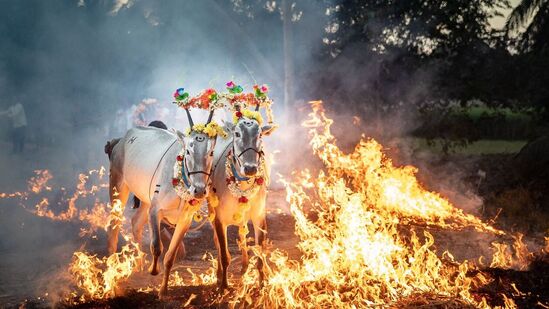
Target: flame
355, 220
96, 277
519, 258
355, 252
99, 277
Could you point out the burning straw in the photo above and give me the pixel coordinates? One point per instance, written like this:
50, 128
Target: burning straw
353, 253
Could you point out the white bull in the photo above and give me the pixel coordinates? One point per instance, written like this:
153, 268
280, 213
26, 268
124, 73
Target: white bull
142, 163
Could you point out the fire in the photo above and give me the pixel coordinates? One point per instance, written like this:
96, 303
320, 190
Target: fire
99, 277
519, 258
355, 220
96, 277
355, 249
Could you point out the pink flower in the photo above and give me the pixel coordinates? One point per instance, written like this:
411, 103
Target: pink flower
230, 84
264, 89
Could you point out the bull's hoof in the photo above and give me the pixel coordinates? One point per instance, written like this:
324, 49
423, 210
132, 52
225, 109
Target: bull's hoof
163, 293
154, 270
223, 285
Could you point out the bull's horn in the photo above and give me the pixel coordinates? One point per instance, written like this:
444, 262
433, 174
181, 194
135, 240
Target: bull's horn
191, 123
210, 117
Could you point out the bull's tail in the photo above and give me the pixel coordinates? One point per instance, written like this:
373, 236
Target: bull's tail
110, 145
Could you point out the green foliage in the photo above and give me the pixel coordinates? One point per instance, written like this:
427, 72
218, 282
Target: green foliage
432, 27
533, 16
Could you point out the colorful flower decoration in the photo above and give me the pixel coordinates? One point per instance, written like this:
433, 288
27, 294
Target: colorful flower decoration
204, 99
248, 114
212, 129
243, 194
261, 91
234, 88
180, 95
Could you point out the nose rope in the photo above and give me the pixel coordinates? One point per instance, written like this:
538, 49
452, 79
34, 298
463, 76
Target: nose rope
260, 153
187, 175
236, 175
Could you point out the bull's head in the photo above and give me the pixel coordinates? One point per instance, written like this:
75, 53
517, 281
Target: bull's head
247, 136
198, 158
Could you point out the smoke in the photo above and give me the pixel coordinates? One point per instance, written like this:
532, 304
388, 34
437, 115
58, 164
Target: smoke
119, 4
75, 64
78, 67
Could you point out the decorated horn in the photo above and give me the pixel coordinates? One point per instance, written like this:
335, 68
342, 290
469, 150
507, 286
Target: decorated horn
191, 123
210, 117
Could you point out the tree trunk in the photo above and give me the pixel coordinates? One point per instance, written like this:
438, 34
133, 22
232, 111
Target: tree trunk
288, 54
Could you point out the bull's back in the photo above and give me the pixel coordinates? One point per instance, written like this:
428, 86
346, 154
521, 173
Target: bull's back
144, 156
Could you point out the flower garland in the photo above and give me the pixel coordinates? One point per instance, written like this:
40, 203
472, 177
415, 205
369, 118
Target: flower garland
243, 194
235, 97
207, 99
178, 180
212, 129
248, 114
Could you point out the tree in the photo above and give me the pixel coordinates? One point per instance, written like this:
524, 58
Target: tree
534, 16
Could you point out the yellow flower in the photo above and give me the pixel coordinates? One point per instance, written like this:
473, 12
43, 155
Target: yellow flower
199, 127
243, 230
213, 200
197, 217
212, 129
244, 206
251, 115
211, 216
238, 217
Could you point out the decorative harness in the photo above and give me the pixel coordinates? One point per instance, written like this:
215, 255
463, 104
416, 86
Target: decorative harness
234, 179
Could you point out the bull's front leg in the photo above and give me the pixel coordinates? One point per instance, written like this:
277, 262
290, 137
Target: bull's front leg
181, 228
260, 231
155, 217
224, 257
244, 249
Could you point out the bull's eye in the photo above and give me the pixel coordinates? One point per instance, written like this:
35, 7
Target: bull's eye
237, 134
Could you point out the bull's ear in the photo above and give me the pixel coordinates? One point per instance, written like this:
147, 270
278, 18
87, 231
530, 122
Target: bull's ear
180, 135
268, 129
228, 127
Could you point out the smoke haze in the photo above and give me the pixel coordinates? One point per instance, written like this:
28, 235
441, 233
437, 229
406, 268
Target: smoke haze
76, 65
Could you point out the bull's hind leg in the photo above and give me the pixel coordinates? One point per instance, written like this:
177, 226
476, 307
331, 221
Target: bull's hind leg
155, 218
118, 192
139, 220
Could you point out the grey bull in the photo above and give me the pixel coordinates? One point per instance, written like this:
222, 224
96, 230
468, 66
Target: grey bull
244, 155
